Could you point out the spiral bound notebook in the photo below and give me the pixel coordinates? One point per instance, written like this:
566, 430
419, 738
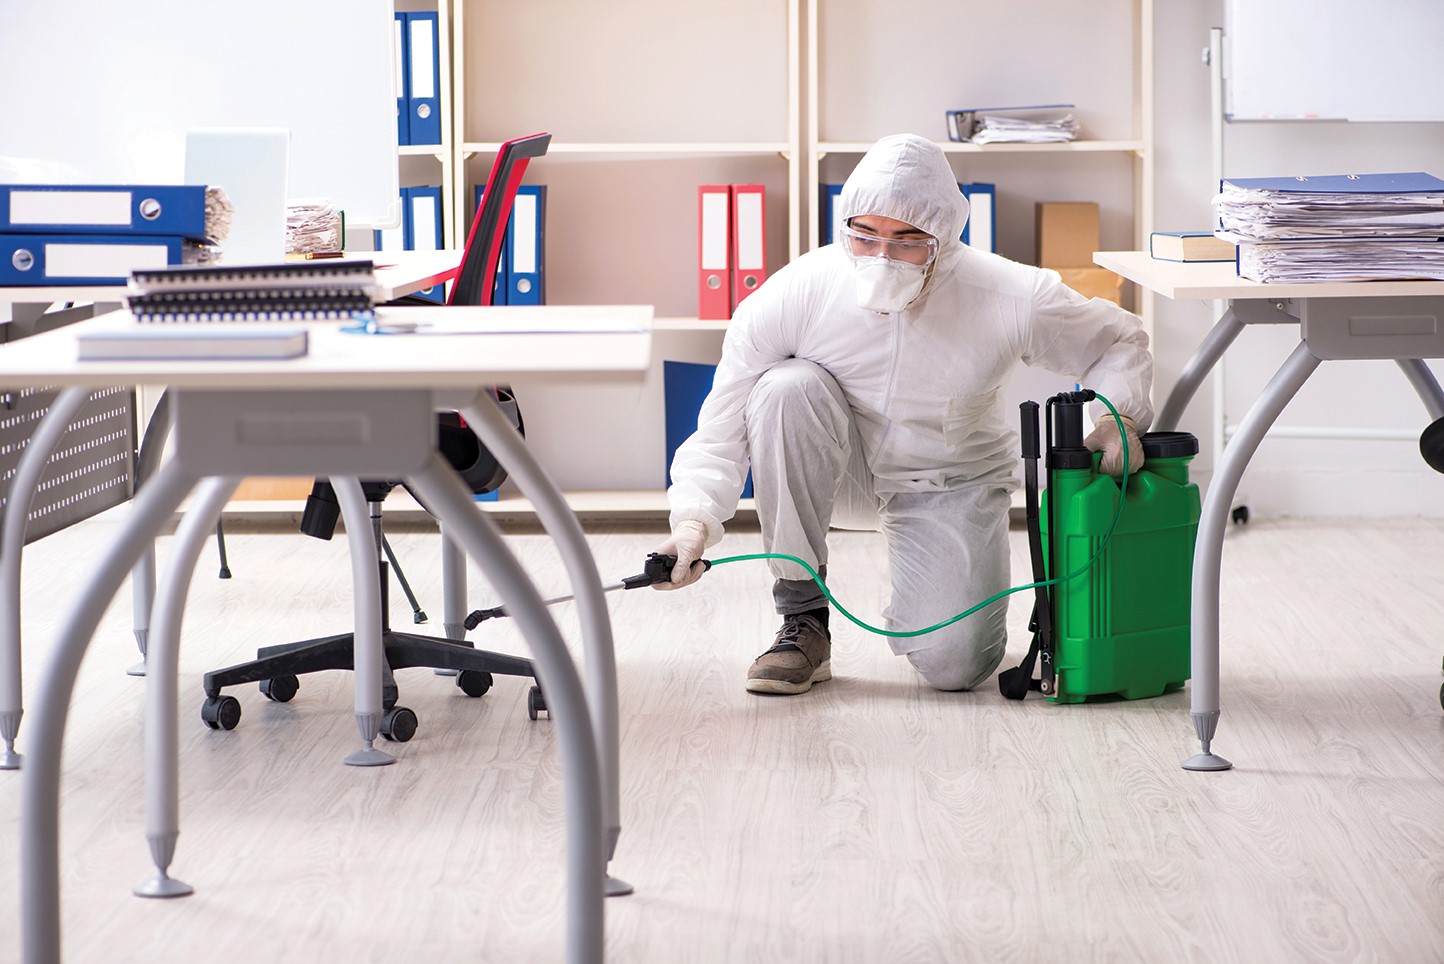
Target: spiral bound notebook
300, 291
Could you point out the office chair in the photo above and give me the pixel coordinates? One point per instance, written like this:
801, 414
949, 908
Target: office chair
277, 668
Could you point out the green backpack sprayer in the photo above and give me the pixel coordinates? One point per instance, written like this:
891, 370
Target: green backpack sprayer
1117, 623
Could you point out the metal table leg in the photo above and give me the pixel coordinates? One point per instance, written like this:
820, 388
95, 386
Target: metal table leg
142, 578
1208, 551
23, 486
162, 723
453, 588
40, 780
1209, 351
1425, 385
566, 701
498, 435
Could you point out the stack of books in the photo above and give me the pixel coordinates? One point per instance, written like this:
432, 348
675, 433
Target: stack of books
296, 291
1349, 227
55, 234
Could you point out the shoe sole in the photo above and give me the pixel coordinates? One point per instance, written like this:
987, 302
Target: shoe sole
822, 674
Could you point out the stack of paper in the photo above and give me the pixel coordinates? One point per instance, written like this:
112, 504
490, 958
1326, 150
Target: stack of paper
1354, 227
313, 224
1043, 124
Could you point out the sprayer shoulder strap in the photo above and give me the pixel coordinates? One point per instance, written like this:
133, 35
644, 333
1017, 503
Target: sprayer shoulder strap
1015, 683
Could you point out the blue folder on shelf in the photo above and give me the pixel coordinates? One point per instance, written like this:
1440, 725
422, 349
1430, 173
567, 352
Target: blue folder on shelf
685, 386
403, 81
526, 241
423, 229
828, 223
175, 210
981, 229
82, 259
423, 79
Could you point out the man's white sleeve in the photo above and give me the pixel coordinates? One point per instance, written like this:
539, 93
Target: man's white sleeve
710, 468
1096, 343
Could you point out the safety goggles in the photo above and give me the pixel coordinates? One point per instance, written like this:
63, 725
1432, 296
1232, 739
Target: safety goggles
919, 251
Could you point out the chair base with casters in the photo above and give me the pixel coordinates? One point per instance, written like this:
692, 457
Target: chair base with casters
277, 668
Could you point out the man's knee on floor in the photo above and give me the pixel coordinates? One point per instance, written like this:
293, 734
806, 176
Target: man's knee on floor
958, 664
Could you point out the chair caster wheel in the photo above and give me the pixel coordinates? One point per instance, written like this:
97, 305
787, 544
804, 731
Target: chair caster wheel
280, 689
1240, 515
473, 683
398, 724
389, 696
221, 712
535, 702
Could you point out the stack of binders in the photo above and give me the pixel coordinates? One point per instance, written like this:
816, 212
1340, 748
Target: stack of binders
418, 79
294, 291
731, 247
521, 277
1349, 227
97, 235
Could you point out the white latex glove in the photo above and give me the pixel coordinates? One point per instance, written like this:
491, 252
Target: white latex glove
688, 542
1105, 438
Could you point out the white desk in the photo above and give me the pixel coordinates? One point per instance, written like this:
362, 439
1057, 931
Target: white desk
356, 405
1402, 321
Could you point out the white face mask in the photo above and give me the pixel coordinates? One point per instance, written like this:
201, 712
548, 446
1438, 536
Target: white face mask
886, 285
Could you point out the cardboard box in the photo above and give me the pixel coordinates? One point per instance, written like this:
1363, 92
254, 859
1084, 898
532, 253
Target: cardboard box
1067, 233
1093, 283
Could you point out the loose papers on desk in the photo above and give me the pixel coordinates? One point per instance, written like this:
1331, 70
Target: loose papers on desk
1335, 228
1043, 124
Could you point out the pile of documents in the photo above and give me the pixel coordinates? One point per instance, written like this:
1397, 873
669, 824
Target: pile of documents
1043, 124
1351, 227
313, 224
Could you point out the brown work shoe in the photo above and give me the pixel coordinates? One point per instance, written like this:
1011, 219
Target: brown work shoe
800, 656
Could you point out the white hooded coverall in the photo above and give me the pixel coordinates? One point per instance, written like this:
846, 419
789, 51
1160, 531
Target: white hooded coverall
858, 419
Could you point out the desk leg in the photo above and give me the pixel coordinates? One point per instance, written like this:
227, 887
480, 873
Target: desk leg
142, 578
40, 780
162, 723
566, 701
23, 485
453, 588
1208, 551
1209, 351
1425, 385
497, 434
365, 564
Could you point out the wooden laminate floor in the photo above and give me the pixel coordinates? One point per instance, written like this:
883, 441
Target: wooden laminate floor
872, 820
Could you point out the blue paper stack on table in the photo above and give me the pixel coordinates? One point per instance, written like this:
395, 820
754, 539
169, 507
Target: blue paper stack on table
1344, 227
52, 234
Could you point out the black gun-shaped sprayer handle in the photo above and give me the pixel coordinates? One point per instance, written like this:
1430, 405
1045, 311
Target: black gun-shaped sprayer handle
658, 568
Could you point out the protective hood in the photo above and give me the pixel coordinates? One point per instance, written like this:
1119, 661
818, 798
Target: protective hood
907, 178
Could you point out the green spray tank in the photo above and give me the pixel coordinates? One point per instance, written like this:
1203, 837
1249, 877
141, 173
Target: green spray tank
1120, 626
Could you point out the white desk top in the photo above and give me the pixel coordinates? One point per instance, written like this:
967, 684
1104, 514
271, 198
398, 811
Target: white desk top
398, 273
337, 359
1217, 279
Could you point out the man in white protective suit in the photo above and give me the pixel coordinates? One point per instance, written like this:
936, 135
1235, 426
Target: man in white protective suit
861, 382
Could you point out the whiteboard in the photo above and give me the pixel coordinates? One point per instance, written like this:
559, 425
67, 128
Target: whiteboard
102, 92
1361, 60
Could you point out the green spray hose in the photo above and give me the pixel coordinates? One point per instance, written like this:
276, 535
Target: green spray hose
1123, 488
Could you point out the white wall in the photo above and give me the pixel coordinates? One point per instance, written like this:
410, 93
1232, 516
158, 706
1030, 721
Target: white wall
1286, 476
